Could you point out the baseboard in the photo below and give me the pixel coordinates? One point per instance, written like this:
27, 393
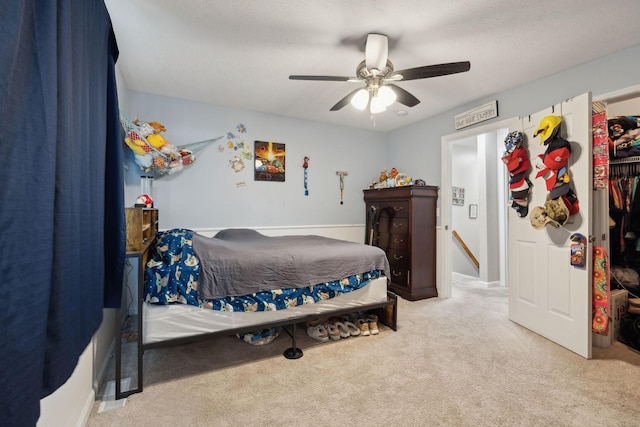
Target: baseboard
87, 407
102, 370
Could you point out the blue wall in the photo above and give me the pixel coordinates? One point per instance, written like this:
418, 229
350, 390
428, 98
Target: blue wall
206, 195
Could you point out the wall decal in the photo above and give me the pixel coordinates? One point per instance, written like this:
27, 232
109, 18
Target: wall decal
240, 150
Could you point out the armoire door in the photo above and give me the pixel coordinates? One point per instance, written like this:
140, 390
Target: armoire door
546, 293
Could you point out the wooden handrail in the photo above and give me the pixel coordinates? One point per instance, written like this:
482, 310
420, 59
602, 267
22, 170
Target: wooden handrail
466, 248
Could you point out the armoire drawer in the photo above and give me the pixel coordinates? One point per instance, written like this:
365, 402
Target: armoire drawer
399, 226
398, 258
399, 241
393, 225
399, 276
397, 209
391, 241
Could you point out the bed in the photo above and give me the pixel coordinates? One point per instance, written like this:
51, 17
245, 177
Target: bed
241, 281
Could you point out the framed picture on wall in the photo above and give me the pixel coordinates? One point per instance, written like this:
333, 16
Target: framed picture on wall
473, 211
269, 161
457, 196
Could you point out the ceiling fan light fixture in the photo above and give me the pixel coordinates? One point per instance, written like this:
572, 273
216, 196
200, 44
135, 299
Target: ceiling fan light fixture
360, 99
386, 96
376, 106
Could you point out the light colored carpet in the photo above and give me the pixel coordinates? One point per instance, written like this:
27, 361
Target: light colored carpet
452, 362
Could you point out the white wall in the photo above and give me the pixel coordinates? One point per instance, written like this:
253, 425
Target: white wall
71, 404
465, 174
489, 203
629, 107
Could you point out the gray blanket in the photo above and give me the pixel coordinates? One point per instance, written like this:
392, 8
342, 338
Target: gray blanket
243, 261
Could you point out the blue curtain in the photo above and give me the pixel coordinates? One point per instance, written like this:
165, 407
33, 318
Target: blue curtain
61, 193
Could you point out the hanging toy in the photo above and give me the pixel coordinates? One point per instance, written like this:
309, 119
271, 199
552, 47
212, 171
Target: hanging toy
578, 246
342, 174
152, 152
517, 162
305, 165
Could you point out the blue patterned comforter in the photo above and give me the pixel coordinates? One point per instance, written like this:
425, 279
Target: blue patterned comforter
172, 272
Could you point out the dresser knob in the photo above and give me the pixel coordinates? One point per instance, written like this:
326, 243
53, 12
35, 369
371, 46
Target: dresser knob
397, 208
396, 273
396, 225
396, 257
398, 240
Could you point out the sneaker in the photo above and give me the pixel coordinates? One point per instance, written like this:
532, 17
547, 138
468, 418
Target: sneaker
354, 331
363, 325
318, 333
344, 331
373, 324
333, 331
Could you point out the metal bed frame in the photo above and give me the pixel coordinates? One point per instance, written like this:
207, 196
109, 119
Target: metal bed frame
388, 315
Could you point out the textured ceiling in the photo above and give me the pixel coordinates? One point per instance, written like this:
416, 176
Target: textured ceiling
239, 53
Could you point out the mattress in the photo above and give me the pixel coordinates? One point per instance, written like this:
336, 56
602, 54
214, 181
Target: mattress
167, 322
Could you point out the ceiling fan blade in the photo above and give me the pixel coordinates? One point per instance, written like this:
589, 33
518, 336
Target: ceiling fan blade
404, 97
434, 70
322, 78
376, 52
344, 101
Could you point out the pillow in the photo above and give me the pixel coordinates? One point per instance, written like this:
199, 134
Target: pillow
239, 234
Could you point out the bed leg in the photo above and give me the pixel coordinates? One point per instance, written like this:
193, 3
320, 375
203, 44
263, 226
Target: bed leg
293, 352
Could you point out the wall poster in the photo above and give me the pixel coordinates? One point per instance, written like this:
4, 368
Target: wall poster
269, 161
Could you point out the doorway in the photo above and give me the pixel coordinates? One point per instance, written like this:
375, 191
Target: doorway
485, 222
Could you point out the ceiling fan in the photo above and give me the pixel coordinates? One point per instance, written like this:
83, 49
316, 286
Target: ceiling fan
378, 75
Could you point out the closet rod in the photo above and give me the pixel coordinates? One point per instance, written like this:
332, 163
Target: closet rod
633, 159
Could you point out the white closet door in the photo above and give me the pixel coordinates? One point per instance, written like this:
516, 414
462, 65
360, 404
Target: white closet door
546, 294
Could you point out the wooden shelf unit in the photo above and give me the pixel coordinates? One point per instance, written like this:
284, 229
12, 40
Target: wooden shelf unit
142, 227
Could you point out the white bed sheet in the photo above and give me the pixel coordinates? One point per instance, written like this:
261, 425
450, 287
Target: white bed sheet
165, 322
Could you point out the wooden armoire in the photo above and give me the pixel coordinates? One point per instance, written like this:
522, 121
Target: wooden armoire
402, 222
